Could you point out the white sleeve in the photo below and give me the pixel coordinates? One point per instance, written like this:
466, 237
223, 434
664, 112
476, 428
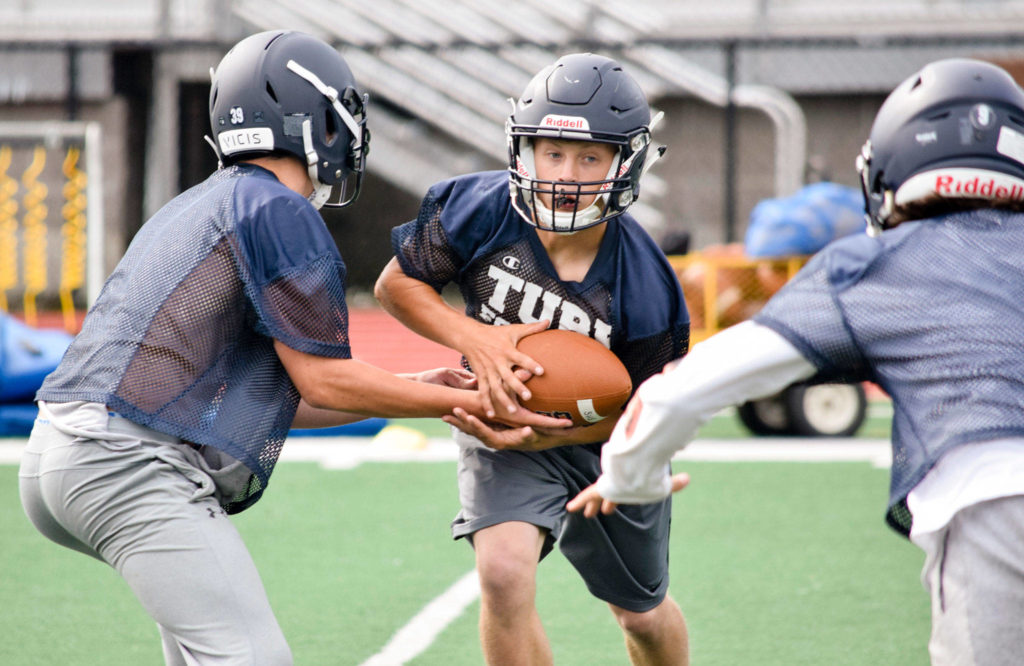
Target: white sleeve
745, 362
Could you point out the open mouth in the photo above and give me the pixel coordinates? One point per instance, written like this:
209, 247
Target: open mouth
563, 201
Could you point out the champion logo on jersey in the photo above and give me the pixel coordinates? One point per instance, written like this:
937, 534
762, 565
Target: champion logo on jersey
510, 262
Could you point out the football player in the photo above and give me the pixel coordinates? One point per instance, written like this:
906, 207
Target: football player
548, 243
223, 326
927, 305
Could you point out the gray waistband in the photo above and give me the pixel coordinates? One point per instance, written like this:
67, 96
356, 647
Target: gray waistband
121, 425
94, 421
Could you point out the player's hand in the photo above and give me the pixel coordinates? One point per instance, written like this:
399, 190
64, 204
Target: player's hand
590, 502
459, 378
507, 437
492, 354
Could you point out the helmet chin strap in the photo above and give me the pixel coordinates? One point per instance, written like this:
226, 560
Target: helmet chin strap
321, 191
216, 151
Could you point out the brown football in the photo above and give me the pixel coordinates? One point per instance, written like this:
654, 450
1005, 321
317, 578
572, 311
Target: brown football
583, 380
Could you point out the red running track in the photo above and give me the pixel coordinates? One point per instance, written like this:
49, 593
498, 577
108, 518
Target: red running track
375, 336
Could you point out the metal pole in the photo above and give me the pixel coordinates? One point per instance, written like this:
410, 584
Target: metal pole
96, 237
729, 176
72, 95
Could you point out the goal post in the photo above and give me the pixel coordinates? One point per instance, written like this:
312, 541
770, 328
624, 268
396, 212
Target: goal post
51, 219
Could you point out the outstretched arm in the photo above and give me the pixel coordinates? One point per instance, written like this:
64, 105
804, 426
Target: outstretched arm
349, 385
742, 363
307, 416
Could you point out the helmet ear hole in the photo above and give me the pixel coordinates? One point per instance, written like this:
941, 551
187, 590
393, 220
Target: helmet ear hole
330, 128
876, 182
270, 91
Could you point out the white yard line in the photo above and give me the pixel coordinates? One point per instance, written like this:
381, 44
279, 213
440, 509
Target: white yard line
877, 452
419, 633
350, 452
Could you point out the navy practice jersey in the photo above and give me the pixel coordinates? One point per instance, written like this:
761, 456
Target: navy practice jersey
931, 311
181, 336
468, 233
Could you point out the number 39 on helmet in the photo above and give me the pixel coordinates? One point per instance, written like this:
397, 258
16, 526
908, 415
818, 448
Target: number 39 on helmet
289, 92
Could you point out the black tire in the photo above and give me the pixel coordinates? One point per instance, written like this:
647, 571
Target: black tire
826, 410
766, 417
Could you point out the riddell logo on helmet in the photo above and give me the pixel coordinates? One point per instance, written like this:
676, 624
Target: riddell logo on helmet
987, 188
565, 122
960, 183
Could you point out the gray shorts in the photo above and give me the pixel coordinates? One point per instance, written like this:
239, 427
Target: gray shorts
623, 558
142, 501
975, 575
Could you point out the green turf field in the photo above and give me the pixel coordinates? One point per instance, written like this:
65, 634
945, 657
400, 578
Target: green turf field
773, 564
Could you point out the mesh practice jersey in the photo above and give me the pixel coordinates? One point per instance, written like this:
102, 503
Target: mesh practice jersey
933, 311
181, 337
468, 233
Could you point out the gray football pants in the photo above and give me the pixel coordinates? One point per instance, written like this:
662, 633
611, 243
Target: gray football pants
975, 574
142, 506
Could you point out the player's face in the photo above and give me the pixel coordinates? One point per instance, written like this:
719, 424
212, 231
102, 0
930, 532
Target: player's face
571, 162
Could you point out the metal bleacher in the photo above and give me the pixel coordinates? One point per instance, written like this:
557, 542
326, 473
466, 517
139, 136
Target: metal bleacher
447, 68
450, 68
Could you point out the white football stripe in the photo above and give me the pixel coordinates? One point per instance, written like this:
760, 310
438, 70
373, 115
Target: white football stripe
587, 411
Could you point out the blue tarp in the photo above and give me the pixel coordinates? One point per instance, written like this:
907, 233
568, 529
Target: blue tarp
27, 355
804, 222
16, 420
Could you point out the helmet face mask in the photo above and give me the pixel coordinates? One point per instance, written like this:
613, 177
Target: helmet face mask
950, 136
581, 97
288, 92
878, 202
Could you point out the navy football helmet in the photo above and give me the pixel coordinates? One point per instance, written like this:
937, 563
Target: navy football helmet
284, 91
582, 97
953, 130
